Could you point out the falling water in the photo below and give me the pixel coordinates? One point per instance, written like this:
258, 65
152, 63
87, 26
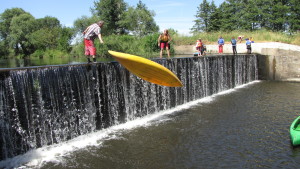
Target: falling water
47, 105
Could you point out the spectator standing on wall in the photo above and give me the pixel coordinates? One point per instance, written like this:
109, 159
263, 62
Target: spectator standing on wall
240, 38
221, 43
233, 43
164, 42
203, 49
90, 33
248, 45
199, 46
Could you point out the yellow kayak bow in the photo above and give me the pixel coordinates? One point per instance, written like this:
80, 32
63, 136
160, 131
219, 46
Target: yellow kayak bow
147, 69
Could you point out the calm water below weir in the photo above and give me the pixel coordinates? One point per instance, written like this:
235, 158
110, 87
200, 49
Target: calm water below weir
246, 127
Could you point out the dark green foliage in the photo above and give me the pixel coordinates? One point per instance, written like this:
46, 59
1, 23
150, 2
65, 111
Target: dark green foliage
249, 15
139, 21
110, 11
294, 18
23, 35
145, 46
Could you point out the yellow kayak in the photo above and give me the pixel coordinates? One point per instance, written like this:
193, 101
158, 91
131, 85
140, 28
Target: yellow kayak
147, 69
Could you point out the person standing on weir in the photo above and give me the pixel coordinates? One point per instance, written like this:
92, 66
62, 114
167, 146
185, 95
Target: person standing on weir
233, 43
90, 33
221, 43
248, 46
164, 42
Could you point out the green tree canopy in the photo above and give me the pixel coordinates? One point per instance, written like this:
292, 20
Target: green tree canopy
20, 29
110, 11
21, 33
203, 17
275, 15
6, 18
139, 21
82, 23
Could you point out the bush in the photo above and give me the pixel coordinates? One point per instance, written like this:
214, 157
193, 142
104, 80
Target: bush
144, 46
38, 54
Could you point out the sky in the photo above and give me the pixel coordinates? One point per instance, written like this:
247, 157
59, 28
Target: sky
176, 14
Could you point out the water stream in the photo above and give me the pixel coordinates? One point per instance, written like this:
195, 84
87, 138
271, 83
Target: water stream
45, 106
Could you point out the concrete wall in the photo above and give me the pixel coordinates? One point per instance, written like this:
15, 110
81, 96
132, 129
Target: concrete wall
277, 61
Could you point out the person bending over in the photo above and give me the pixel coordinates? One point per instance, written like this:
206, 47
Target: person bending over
90, 33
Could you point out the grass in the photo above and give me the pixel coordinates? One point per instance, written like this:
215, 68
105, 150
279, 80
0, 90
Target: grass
258, 36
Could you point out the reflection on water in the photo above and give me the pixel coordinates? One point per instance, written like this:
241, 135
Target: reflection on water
247, 128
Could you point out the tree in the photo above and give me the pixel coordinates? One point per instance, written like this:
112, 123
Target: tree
110, 11
203, 17
46, 34
20, 29
279, 11
82, 23
294, 18
5, 20
139, 20
51, 35
64, 40
215, 19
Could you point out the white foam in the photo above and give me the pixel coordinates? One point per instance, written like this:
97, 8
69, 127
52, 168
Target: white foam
38, 157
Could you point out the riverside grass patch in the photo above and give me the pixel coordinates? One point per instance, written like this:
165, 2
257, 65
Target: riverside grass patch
258, 36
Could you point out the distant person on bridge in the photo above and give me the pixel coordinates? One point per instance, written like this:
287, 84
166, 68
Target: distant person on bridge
233, 43
164, 42
199, 47
221, 42
90, 33
248, 45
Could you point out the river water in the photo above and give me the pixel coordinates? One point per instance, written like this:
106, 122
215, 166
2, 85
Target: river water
245, 127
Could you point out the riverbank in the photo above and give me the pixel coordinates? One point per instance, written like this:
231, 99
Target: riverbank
277, 61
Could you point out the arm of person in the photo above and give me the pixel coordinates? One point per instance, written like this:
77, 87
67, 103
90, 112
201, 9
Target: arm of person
86, 30
100, 38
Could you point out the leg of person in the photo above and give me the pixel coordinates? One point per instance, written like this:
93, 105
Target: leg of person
93, 53
201, 51
168, 52
86, 50
162, 46
234, 49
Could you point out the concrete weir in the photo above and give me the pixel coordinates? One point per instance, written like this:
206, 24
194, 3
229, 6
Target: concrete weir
277, 61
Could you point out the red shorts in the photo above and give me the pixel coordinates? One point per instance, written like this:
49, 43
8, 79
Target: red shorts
89, 47
164, 45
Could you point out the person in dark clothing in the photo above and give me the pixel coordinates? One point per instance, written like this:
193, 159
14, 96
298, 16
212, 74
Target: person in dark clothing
248, 45
233, 43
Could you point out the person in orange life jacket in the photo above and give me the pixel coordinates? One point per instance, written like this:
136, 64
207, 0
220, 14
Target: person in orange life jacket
164, 42
199, 46
221, 43
90, 33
